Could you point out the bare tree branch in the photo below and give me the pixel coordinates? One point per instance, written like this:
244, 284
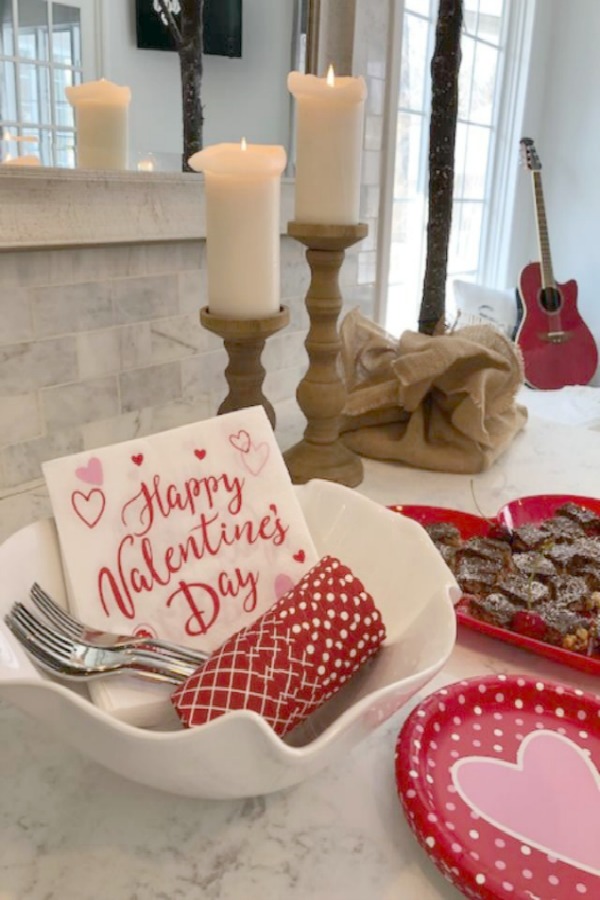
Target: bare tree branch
445, 66
173, 28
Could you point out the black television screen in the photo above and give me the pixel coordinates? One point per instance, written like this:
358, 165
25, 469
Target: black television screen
222, 26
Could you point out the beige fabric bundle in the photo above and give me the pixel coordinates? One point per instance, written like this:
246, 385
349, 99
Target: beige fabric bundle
445, 403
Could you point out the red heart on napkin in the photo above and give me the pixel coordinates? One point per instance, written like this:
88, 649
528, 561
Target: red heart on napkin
293, 658
89, 507
137, 459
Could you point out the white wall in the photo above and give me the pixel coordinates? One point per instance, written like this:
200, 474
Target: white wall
563, 116
242, 97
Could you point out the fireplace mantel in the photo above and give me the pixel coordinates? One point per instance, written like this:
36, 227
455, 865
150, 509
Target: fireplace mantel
56, 208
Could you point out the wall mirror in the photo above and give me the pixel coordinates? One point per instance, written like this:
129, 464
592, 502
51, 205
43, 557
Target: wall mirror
46, 46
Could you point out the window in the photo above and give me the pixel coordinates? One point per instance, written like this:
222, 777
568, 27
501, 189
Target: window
40, 55
482, 79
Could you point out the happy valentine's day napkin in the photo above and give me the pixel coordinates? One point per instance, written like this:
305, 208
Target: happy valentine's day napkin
188, 535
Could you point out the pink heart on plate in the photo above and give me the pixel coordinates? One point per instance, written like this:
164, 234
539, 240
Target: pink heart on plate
283, 584
92, 473
549, 799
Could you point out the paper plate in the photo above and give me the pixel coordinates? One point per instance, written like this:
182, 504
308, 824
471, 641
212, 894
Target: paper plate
498, 778
518, 512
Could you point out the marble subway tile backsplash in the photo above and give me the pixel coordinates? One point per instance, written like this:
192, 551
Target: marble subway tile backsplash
104, 344
37, 364
153, 384
83, 401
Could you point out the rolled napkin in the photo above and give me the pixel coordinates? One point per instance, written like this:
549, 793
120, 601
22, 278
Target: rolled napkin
445, 402
293, 658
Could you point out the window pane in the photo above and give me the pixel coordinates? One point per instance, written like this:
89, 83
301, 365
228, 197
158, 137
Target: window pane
466, 234
465, 77
33, 29
66, 35
8, 96
408, 152
491, 7
414, 63
484, 84
35, 94
6, 28
63, 111
460, 157
477, 150
64, 149
489, 28
419, 6
31, 143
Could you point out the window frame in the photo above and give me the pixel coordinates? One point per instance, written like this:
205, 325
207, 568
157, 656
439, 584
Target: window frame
501, 177
90, 17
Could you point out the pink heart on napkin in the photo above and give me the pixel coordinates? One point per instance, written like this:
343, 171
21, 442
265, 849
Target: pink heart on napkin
256, 457
92, 473
549, 799
241, 441
283, 584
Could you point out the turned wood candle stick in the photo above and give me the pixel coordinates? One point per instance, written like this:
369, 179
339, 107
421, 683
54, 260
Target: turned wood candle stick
244, 341
321, 393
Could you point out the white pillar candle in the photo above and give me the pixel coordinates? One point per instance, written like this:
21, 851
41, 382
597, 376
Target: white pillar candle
101, 112
242, 186
330, 116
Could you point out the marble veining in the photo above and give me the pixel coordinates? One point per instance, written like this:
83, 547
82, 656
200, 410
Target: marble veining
74, 404
153, 384
39, 364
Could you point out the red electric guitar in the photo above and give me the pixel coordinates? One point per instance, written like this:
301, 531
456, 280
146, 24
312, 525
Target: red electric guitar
557, 346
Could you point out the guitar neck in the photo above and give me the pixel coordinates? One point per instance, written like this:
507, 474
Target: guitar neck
542, 228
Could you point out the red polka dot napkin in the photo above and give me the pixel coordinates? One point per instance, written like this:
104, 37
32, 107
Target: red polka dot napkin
293, 658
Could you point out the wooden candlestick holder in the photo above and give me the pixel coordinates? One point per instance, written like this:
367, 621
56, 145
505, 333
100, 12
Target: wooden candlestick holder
244, 341
321, 393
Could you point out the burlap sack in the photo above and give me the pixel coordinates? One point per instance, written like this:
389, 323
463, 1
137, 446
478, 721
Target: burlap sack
445, 403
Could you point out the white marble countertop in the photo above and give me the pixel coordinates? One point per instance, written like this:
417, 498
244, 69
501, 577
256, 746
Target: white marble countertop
70, 830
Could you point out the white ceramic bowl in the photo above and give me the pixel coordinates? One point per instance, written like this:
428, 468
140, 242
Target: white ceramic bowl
238, 755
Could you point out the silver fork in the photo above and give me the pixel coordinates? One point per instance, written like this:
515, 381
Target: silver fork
67, 624
77, 660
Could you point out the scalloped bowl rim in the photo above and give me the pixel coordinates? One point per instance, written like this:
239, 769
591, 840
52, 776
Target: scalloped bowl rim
16, 688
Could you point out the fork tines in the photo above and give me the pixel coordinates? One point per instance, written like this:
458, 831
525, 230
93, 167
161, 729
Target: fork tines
53, 612
74, 658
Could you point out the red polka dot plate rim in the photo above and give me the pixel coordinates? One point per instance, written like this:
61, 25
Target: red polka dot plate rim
498, 778
522, 511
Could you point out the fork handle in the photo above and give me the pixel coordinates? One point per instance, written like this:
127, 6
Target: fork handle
142, 661
184, 653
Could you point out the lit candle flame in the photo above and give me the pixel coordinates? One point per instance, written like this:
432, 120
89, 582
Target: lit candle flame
7, 136
244, 144
330, 77
8, 157
145, 165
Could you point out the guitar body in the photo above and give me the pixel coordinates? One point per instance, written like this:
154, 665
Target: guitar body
557, 346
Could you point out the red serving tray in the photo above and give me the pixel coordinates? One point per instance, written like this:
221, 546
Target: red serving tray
498, 777
518, 512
